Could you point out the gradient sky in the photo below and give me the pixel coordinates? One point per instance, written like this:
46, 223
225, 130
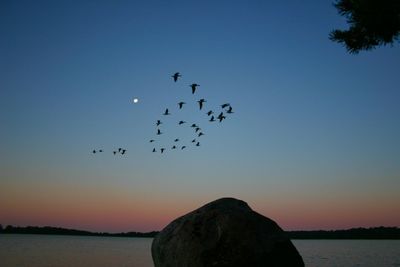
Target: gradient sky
313, 143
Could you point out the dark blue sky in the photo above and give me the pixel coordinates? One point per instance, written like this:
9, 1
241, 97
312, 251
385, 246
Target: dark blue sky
311, 121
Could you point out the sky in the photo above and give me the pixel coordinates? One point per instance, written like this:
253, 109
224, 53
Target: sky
313, 142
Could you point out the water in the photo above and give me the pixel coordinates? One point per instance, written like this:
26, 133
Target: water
76, 251
80, 251
349, 253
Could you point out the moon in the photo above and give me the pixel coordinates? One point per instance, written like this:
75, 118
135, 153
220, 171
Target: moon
135, 100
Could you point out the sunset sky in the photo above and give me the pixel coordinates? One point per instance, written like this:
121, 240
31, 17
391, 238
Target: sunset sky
313, 143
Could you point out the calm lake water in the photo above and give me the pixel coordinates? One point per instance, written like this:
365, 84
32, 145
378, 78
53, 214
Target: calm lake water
79, 251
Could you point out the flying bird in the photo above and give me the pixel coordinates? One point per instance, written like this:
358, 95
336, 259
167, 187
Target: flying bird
101, 150
180, 104
151, 141
115, 152
123, 151
94, 151
194, 125
229, 110
212, 119
194, 86
119, 149
200, 134
225, 105
181, 122
194, 141
176, 140
221, 117
209, 113
198, 144
183, 147
176, 76
197, 129
162, 150
159, 132
158, 122
154, 150
166, 112
174, 147
201, 101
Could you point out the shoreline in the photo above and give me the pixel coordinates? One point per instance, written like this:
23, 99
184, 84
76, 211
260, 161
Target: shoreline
373, 233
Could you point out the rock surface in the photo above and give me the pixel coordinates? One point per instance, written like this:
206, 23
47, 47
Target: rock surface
224, 233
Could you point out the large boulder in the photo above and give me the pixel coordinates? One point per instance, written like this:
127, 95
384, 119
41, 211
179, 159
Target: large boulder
224, 233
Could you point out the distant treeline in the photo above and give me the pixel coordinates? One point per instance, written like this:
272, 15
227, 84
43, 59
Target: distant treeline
48, 230
354, 233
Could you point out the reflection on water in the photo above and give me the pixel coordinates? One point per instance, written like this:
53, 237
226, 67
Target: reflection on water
80, 251
363, 253
77, 251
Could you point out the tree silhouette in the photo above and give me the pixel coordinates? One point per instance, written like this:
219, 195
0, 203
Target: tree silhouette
372, 23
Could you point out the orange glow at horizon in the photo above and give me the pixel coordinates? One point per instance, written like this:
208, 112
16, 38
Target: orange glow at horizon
119, 211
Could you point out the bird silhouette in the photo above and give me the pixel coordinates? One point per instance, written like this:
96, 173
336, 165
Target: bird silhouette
166, 112
158, 122
212, 119
115, 152
221, 118
123, 151
101, 150
200, 134
173, 147
198, 144
162, 150
180, 104
159, 132
183, 147
209, 113
151, 141
194, 86
119, 149
197, 129
154, 150
94, 151
225, 105
176, 76
194, 141
201, 101
229, 110
181, 122
194, 125
176, 140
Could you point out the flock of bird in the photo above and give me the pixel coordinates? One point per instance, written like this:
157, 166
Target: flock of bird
176, 143
120, 150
